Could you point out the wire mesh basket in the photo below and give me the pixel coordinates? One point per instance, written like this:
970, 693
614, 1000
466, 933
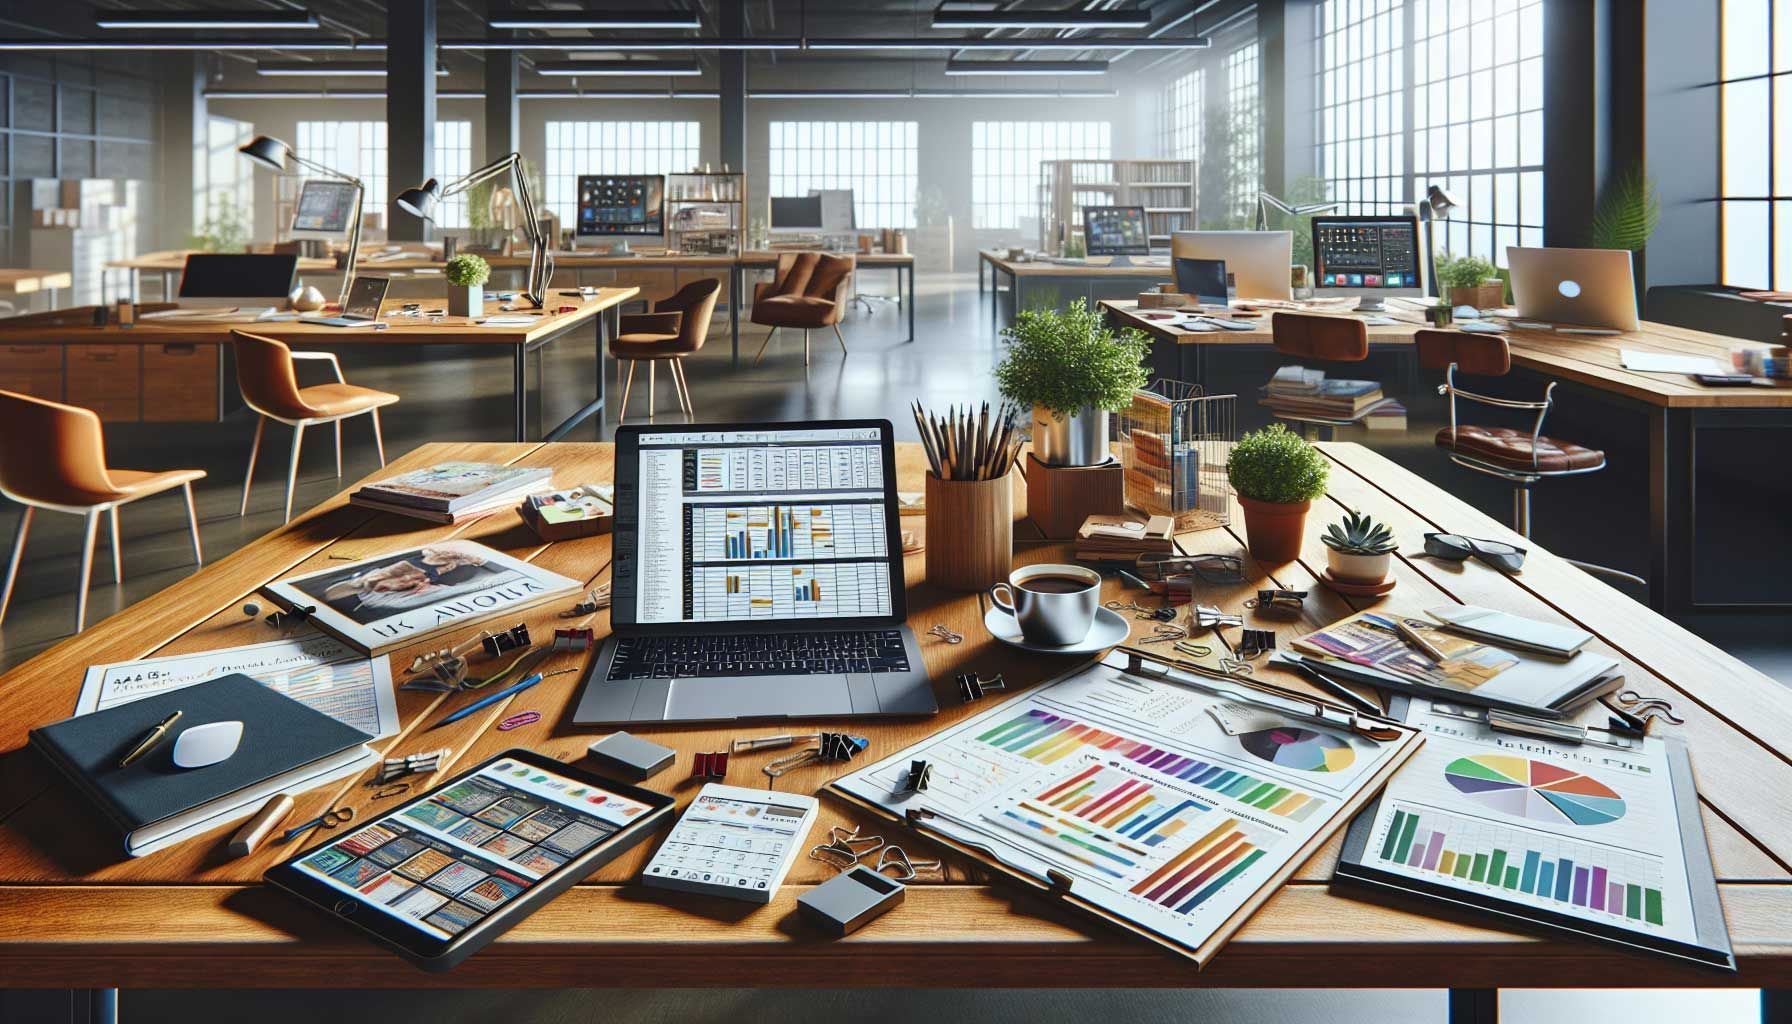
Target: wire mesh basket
1174, 440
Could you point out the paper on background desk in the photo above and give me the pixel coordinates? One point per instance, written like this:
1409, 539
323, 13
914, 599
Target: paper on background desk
316, 670
1661, 362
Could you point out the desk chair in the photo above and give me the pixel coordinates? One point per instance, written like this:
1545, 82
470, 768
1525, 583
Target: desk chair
1519, 457
1308, 337
677, 327
57, 460
264, 373
809, 291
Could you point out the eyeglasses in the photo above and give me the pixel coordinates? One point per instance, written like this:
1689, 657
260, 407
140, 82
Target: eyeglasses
1454, 547
1207, 568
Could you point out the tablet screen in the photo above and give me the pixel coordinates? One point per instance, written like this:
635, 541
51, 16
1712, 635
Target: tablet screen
442, 863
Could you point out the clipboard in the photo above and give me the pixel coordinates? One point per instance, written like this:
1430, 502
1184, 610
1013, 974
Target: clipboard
1174, 766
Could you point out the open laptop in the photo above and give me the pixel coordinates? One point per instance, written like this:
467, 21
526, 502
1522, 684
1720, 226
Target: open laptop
246, 282
362, 308
757, 573
1577, 287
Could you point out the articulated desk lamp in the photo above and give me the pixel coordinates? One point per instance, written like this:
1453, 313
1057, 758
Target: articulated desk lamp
1265, 201
423, 199
1436, 206
273, 154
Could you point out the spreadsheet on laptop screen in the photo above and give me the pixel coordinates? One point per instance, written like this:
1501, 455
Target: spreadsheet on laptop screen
771, 525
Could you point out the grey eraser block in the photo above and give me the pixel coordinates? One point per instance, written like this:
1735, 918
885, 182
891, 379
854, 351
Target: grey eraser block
630, 756
850, 900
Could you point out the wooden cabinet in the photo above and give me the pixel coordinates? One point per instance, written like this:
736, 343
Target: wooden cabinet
106, 379
180, 383
34, 370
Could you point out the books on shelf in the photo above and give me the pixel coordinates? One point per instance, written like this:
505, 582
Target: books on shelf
454, 490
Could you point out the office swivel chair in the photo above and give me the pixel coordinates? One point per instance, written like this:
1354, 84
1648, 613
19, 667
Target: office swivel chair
1519, 457
264, 373
56, 459
676, 328
1308, 337
808, 292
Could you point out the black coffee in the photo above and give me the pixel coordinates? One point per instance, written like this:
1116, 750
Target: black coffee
1054, 584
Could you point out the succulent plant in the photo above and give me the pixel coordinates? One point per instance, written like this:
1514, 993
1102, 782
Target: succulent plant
1358, 534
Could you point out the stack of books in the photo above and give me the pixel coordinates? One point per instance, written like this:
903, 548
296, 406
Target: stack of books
1300, 393
1107, 538
451, 492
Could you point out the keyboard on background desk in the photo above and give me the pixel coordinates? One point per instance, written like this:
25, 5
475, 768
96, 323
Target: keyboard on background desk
759, 654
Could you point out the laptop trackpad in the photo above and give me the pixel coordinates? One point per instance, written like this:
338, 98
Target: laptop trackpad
758, 697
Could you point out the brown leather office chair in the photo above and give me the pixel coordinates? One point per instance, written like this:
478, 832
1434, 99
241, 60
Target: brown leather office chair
1521, 457
54, 456
677, 327
264, 373
1312, 337
809, 291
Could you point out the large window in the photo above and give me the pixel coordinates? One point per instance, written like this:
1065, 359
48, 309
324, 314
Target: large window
1005, 156
876, 159
1244, 104
1360, 103
225, 194
1756, 186
358, 149
454, 159
613, 147
1478, 121
1183, 111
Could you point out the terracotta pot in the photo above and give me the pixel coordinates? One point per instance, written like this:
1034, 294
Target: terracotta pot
1273, 531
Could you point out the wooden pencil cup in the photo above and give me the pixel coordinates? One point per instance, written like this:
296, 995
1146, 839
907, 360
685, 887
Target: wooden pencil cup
970, 532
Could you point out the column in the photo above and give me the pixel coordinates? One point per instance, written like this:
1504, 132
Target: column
410, 108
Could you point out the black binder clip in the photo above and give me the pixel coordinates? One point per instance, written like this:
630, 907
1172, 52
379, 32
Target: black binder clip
1252, 642
920, 773
291, 617
1277, 600
834, 747
972, 687
514, 638
712, 765
1057, 882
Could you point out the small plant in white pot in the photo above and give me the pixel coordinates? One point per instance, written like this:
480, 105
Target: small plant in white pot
467, 274
1359, 549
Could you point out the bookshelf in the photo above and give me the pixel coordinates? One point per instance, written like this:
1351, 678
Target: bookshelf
1165, 188
705, 212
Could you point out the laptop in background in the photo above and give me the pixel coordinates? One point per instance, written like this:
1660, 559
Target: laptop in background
365, 297
1574, 287
249, 283
757, 573
1204, 279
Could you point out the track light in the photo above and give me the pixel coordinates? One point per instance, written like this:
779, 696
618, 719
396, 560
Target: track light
1041, 19
314, 69
1026, 67
523, 19
616, 68
275, 19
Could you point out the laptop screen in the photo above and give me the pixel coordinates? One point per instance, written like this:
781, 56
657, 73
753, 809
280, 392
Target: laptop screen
776, 525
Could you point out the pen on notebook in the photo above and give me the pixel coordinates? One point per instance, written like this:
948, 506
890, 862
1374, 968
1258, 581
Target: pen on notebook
487, 702
1416, 639
149, 740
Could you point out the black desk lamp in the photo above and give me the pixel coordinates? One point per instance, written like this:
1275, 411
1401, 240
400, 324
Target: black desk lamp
273, 154
1436, 206
422, 200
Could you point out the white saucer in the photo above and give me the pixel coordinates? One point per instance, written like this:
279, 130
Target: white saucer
1109, 629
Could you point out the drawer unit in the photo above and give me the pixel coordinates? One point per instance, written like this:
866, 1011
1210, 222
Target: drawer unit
106, 379
180, 383
34, 370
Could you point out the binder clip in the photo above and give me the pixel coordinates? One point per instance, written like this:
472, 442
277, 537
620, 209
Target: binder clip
830, 748
411, 764
920, 774
972, 687
573, 639
597, 597
712, 765
1277, 600
1206, 616
512, 639
447, 665
280, 619
1253, 642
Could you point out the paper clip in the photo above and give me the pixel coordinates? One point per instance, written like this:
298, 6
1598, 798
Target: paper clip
1640, 706
1193, 649
771, 742
573, 639
1254, 642
1277, 599
840, 853
830, 748
946, 633
839, 858
920, 773
1139, 611
710, 765
518, 720
448, 654
972, 686
906, 867
328, 819
396, 789
411, 764
1233, 666
1163, 633
513, 639
595, 598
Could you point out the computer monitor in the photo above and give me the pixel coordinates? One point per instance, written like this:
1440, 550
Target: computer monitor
621, 206
1204, 279
836, 210
797, 213
1371, 258
1117, 231
212, 280
1257, 262
326, 209
1578, 287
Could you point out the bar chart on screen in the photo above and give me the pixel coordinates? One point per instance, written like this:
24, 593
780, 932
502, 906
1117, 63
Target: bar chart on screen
777, 590
728, 532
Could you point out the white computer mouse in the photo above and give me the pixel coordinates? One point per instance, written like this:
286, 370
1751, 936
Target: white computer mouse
207, 744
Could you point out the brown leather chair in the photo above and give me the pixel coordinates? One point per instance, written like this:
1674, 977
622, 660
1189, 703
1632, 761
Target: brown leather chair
1312, 337
677, 327
264, 373
54, 456
1522, 457
809, 291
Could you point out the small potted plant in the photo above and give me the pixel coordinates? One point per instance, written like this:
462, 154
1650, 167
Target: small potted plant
1277, 475
1073, 370
467, 274
1359, 549
1471, 281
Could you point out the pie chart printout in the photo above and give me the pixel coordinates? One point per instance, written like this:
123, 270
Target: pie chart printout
1301, 749
1536, 790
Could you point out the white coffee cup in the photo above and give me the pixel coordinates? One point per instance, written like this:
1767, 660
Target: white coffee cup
1054, 605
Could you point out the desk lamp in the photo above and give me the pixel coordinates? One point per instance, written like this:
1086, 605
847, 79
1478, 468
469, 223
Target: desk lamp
421, 200
271, 153
1436, 206
1265, 201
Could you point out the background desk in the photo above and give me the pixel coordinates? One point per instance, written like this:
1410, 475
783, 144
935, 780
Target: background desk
79, 916
1683, 417
173, 370
1059, 284
170, 262
15, 283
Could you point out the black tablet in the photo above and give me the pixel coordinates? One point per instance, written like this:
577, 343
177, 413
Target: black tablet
443, 875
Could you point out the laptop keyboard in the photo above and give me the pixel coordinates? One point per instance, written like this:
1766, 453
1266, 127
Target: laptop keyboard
759, 654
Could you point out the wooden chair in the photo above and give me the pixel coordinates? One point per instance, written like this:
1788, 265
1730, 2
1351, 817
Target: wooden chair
264, 373
809, 291
55, 458
1520, 457
1309, 337
677, 327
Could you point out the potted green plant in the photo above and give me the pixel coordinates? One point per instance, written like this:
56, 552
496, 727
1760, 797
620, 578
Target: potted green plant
1277, 475
467, 274
1471, 281
1359, 549
1073, 370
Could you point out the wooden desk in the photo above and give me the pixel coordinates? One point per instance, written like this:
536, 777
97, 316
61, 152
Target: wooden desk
73, 331
1095, 282
78, 916
26, 282
1680, 413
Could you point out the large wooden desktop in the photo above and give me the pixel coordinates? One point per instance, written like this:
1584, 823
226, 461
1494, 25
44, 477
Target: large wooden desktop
1682, 415
1035, 282
79, 915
